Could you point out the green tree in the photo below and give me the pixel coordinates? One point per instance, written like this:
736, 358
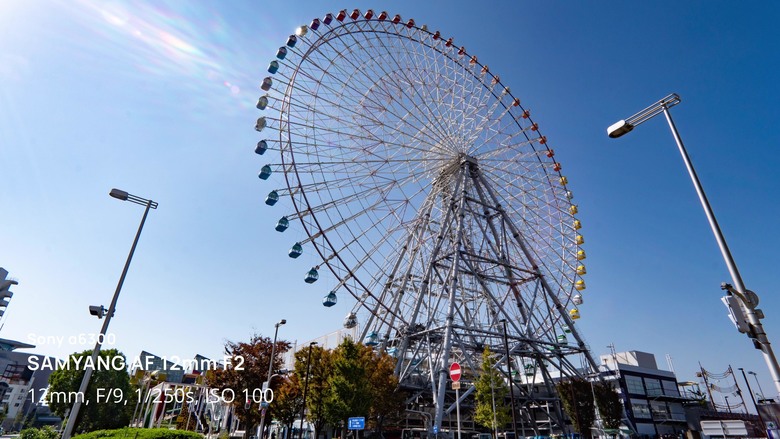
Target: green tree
610, 407
288, 401
319, 373
246, 372
491, 392
349, 393
106, 413
578, 403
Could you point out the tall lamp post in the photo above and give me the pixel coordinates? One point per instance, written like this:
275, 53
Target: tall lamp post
753, 398
758, 383
511, 382
267, 384
74, 412
743, 309
306, 387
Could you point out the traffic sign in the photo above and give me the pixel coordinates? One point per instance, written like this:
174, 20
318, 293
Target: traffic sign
455, 372
356, 423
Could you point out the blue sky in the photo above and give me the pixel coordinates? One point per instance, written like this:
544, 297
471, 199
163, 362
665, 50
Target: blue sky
158, 99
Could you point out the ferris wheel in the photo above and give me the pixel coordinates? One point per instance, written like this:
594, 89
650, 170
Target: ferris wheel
423, 186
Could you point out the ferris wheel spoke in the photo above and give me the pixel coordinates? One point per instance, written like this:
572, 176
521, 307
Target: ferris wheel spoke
361, 67
415, 96
355, 112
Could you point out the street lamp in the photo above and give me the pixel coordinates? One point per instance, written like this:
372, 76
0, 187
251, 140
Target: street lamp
74, 413
267, 384
511, 382
753, 398
306, 386
758, 383
743, 311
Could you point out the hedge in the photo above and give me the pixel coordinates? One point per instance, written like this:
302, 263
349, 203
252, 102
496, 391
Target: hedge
140, 433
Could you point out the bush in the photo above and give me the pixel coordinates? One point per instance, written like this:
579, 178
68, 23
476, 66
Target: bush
46, 432
137, 433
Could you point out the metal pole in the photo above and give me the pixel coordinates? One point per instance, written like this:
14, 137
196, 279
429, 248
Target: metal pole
268, 381
457, 407
758, 383
511, 382
752, 398
760, 336
305, 387
728, 407
74, 413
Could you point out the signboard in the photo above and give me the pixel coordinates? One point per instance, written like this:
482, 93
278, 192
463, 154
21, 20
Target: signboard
455, 372
724, 428
356, 423
456, 385
436, 427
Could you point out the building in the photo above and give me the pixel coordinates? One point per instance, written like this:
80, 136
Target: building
154, 363
651, 398
21, 386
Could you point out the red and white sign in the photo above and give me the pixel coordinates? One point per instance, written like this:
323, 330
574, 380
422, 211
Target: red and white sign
455, 372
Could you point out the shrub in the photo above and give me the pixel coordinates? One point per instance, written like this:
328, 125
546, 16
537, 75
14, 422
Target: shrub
46, 432
137, 433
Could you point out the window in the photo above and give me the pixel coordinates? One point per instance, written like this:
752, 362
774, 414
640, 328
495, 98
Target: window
659, 410
677, 411
640, 408
634, 385
653, 387
670, 388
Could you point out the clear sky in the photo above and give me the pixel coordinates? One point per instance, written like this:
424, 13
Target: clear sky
157, 98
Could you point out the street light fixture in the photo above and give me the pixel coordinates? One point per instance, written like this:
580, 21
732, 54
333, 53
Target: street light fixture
743, 311
306, 387
267, 384
758, 383
753, 398
74, 413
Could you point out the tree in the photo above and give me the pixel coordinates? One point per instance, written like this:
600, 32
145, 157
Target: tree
578, 403
319, 373
349, 393
288, 401
187, 420
610, 407
388, 400
111, 410
491, 392
245, 374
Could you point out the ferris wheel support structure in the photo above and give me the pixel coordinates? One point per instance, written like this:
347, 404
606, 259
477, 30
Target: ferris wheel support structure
425, 192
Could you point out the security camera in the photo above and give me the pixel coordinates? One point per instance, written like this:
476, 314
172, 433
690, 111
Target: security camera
98, 311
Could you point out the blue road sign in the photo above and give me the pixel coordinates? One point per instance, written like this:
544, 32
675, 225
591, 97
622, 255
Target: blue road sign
357, 423
435, 429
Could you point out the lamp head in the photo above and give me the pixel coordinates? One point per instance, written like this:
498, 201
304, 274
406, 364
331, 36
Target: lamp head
281, 322
119, 194
619, 128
